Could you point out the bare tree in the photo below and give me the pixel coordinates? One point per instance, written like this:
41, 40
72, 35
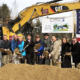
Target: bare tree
14, 13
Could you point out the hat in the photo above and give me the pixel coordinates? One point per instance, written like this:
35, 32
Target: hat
46, 34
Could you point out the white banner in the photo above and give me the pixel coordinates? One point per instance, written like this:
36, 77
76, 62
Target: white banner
57, 25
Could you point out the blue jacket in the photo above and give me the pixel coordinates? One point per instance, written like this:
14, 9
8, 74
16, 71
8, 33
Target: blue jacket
41, 49
21, 46
14, 45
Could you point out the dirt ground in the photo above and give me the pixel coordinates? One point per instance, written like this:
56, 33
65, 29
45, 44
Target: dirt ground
37, 72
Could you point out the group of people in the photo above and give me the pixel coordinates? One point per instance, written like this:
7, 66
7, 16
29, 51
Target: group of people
52, 46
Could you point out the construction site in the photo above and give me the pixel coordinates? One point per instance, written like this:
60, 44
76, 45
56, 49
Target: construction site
33, 23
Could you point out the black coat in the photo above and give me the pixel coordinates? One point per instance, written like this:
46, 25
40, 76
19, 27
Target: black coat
30, 48
5, 45
66, 60
75, 49
65, 48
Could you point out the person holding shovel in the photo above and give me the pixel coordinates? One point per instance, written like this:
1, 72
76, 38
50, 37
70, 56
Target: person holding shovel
21, 47
47, 44
39, 52
29, 50
65, 54
5, 44
54, 51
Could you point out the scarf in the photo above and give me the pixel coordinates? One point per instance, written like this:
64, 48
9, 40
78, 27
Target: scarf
19, 42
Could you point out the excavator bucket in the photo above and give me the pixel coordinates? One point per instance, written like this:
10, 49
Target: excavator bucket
11, 24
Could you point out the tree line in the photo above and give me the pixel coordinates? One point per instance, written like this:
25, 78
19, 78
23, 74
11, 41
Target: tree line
4, 14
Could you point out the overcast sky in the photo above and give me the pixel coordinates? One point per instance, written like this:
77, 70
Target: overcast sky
21, 4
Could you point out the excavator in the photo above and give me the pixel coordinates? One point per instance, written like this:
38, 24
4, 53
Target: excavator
23, 22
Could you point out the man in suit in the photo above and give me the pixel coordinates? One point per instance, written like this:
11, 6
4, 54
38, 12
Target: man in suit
75, 50
29, 50
54, 51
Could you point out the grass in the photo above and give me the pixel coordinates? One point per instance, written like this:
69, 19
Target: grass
60, 30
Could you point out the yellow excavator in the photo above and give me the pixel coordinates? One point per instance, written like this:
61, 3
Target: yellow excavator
22, 22
6, 31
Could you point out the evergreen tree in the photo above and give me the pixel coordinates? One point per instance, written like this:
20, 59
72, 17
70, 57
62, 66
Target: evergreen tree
4, 13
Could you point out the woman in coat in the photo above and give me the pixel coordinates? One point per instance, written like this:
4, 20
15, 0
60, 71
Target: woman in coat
21, 46
66, 60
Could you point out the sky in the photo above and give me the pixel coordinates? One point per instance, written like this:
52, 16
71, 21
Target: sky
21, 4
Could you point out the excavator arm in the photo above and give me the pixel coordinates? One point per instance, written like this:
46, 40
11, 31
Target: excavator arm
39, 10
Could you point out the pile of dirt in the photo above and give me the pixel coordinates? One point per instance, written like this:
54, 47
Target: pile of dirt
37, 72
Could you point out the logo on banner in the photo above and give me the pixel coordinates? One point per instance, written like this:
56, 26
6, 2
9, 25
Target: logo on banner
45, 11
63, 20
57, 20
58, 8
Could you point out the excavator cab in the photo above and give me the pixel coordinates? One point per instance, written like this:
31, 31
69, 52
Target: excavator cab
26, 29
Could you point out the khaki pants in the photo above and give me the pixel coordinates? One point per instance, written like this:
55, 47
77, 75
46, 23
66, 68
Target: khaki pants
5, 59
54, 62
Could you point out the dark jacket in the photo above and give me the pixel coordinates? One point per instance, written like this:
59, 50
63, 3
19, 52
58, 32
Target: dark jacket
41, 49
5, 45
66, 60
47, 43
30, 48
75, 49
65, 48
0, 43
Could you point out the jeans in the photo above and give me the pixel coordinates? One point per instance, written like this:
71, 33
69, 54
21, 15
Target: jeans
0, 59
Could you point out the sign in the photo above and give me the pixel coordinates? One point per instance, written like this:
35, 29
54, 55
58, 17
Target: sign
45, 11
10, 38
57, 25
